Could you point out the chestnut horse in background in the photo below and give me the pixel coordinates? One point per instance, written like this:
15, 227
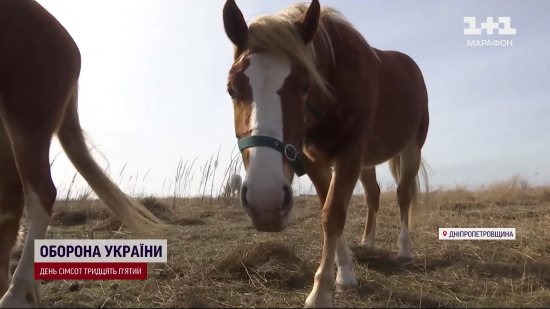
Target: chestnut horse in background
39, 72
309, 93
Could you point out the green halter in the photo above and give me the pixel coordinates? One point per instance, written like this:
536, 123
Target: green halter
287, 150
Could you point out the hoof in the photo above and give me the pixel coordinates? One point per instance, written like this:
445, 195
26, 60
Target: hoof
25, 294
405, 258
345, 288
368, 243
315, 300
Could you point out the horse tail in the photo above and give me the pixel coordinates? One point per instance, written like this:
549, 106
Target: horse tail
134, 215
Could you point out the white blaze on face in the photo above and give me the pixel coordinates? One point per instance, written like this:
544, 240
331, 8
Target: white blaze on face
265, 177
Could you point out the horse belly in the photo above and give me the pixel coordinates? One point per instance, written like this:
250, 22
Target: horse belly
395, 124
377, 153
385, 143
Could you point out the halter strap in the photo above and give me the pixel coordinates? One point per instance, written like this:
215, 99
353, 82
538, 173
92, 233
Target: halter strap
287, 150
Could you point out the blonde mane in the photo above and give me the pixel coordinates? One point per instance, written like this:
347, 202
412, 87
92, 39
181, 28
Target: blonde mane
277, 34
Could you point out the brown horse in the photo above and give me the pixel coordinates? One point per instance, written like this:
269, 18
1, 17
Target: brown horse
309, 93
39, 72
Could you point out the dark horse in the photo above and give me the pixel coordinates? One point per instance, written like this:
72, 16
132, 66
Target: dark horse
39, 71
309, 93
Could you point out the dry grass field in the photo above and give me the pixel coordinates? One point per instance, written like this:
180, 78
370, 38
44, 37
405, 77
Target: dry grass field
217, 260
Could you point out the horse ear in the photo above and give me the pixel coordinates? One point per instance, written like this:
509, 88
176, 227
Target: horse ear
235, 25
309, 22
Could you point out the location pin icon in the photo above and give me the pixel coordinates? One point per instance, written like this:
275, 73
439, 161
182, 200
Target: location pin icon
444, 233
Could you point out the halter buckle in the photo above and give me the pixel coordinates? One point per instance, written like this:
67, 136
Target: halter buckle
290, 153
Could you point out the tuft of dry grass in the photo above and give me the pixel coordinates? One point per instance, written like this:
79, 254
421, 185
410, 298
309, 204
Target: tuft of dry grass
216, 259
265, 265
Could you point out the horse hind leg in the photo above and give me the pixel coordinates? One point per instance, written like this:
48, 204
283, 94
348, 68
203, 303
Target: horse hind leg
404, 168
372, 199
11, 208
31, 144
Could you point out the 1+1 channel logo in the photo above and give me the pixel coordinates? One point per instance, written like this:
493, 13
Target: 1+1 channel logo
489, 26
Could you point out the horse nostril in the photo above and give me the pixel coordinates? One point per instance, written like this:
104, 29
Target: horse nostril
287, 201
244, 202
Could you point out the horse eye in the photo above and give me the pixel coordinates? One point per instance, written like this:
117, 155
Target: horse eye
231, 91
305, 90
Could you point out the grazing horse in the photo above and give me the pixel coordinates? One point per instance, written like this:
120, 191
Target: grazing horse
39, 72
309, 93
232, 186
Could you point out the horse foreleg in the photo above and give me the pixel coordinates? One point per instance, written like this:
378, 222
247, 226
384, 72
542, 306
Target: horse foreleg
335, 248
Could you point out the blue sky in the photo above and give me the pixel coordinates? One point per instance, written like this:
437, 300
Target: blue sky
152, 88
